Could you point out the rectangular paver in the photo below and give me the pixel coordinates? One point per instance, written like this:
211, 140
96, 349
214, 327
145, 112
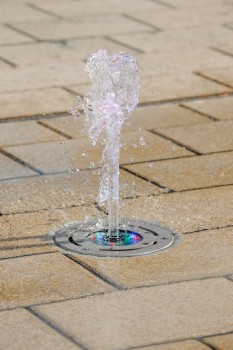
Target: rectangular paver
204, 138
181, 62
198, 255
26, 132
141, 119
39, 54
64, 190
185, 211
25, 234
10, 169
42, 77
87, 46
173, 312
81, 154
170, 87
73, 8
222, 75
81, 27
45, 278
51, 100
16, 12
22, 330
189, 173
217, 108
185, 17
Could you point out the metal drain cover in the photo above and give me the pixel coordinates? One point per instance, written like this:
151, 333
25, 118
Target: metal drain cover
137, 238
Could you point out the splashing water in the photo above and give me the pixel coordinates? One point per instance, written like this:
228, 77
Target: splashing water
113, 96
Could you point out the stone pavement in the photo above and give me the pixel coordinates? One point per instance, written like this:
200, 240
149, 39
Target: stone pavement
182, 176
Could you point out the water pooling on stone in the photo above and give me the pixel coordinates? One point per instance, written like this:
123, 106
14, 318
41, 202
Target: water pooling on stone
113, 96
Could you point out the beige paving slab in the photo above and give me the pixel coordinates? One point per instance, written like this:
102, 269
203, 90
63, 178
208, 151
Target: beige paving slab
24, 234
222, 75
185, 211
90, 7
26, 132
45, 278
64, 190
170, 87
217, 108
154, 41
221, 342
39, 54
172, 312
16, 12
193, 37
34, 102
73, 127
87, 46
53, 74
177, 62
198, 255
205, 138
22, 330
9, 36
189, 173
34, 226
180, 345
185, 17
81, 154
82, 27
9, 169
175, 87
144, 118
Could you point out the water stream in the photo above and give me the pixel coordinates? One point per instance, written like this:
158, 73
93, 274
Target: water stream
115, 83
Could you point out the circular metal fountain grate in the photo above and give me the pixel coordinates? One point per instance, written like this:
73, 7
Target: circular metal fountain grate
135, 238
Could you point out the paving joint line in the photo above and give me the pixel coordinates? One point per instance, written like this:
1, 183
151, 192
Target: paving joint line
168, 190
67, 89
8, 25
221, 51
180, 144
95, 273
34, 117
56, 328
47, 12
164, 3
59, 132
25, 246
9, 63
214, 80
201, 113
21, 162
132, 18
123, 44
204, 342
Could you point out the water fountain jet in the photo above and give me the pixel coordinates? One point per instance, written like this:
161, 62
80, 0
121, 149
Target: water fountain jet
113, 96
